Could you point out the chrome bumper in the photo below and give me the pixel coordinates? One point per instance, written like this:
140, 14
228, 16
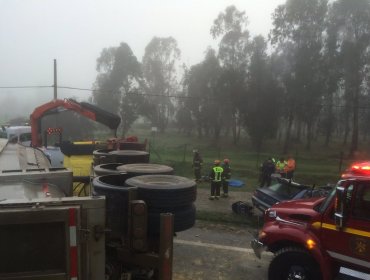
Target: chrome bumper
257, 247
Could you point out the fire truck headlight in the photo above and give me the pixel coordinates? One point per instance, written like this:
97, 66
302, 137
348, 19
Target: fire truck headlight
310, 244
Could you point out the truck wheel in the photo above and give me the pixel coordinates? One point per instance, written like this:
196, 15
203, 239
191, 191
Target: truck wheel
293, 263
130, 156
107, 168
184, 218
117, 200
137, 169
103, 156
164, 191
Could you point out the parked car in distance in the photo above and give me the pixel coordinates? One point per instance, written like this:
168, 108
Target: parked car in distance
282, 189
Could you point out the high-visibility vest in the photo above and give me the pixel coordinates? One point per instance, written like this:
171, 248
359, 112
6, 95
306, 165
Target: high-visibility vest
217, 170
280, 165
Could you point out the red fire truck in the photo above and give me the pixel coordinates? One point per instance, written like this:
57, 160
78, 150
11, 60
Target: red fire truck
321, 238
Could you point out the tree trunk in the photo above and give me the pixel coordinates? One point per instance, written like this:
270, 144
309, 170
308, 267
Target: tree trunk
288, 132
354, 142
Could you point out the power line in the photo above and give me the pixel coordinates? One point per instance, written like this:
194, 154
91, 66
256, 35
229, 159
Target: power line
26, 87
142, 94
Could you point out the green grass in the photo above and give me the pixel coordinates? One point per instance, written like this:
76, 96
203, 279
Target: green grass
318, 166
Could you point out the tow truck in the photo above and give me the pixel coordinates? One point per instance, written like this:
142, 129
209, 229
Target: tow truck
77, 155
321, 238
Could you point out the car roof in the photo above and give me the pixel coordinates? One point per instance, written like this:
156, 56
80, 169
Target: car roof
291, 182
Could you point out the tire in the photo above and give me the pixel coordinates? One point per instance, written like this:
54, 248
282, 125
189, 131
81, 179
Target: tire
137, 169
103, 156
293, 263
132, 146
164, 191
108, 168
130, 156
184, 218
117, 196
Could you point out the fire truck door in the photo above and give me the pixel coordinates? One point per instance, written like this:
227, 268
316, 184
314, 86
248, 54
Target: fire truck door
351, 243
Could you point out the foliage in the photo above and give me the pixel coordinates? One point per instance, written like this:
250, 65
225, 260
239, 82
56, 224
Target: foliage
310, 78
233, 55
159, 61
119, 84
262, 98
299, 25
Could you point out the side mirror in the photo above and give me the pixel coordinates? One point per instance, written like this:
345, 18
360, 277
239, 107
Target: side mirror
340, 207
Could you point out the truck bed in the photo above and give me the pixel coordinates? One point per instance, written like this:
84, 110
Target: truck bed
19, 157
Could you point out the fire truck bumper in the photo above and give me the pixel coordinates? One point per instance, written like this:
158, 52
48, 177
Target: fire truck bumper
257, 247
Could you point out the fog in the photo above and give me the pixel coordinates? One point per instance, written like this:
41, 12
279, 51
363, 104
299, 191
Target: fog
35, 32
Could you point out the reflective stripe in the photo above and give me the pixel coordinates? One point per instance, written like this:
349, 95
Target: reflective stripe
73, 252
349, 259
354, 273
218, 172
346, 230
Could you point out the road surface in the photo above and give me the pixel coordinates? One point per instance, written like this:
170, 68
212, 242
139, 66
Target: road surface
213, 251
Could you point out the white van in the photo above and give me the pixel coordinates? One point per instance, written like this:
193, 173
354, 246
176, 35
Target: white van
17, 134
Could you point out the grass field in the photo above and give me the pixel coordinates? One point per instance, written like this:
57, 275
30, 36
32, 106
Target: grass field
318, 166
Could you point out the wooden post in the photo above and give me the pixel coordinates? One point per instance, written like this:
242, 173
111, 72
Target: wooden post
55, 80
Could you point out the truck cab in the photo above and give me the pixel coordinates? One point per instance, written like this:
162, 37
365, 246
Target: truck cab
320, 238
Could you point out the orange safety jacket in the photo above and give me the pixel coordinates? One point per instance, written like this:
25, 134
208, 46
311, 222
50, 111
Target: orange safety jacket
290, 166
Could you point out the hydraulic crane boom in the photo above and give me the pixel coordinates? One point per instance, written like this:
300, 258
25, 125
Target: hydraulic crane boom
83, 108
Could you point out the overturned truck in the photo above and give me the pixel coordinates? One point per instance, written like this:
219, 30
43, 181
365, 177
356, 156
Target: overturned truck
124, 230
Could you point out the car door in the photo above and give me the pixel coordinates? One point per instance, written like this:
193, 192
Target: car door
351, 243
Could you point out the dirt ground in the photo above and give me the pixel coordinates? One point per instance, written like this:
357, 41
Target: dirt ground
223, 205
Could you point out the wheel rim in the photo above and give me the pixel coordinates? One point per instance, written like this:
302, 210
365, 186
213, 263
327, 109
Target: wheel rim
298, 272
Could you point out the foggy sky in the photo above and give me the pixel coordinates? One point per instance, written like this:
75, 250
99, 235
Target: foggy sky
35, 32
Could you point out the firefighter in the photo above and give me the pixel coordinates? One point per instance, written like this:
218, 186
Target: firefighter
197, 165
290, 168
216, 180
280, 167
226, 176
268, 167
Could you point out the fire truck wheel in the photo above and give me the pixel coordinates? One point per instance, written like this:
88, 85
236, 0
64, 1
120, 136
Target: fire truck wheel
137, 169
183, 219
293, 263
164, 191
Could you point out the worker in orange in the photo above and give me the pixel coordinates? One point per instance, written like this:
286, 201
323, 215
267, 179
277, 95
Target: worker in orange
290, 167
216, 179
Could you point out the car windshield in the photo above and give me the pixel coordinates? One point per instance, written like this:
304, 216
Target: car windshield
327, 201
285, 190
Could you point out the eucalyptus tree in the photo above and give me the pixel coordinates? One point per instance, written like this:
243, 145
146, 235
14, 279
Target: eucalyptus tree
332, 74
119, 84
231, 26
205, 99
262, 104
351, 21
159, 69
301, 22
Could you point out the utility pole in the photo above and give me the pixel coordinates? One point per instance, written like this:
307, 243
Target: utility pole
55, 80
